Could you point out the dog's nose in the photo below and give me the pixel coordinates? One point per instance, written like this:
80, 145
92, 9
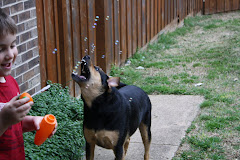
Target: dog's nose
87, 57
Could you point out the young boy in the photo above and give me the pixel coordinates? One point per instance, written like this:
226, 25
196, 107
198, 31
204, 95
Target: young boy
13, 111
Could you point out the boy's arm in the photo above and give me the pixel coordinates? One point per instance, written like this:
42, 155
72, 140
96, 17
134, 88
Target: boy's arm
3, 127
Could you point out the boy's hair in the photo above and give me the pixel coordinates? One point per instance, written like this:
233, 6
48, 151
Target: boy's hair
7, 24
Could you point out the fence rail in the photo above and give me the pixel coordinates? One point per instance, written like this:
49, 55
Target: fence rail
110, 31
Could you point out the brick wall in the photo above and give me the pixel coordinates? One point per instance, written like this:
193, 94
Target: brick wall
26, 68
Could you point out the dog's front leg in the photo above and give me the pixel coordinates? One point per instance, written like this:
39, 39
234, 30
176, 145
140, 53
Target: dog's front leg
119, 154
90, 151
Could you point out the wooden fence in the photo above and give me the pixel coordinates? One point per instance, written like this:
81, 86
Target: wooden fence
110, 31
219, 6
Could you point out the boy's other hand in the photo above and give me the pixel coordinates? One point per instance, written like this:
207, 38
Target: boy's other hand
15, 110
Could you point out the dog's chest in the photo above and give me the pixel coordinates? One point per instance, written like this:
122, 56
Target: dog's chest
103, 138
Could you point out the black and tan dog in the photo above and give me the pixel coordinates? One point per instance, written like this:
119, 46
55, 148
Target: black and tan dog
112, 111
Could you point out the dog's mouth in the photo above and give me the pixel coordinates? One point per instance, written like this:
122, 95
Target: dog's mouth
85, 71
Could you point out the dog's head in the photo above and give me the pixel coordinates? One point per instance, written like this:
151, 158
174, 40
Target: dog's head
93, 81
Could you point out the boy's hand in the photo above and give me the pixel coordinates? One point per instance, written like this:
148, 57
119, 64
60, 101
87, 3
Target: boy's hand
14, 111
32, 123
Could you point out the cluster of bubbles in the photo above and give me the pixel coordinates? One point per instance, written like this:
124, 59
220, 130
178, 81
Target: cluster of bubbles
93, 48
95, 23
76, 67
54, 51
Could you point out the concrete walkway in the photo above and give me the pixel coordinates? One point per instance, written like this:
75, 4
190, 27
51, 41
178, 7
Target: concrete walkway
171, 116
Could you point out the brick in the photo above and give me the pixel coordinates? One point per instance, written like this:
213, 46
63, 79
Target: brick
6, 2
35, 51
38, 87
33, 43
37, 69
17, 61
22, 48
33, 62
20, 28
6, 10
24, 16
34, 81
28, 75
25, 36
19, 80
29, 4
23, 87
17, 40
33, 13
13, 72
16, 8
26, 56
31, 23
34, 33
15, 18
21, 69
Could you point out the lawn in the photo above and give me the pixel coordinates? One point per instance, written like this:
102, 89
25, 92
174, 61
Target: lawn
200, 58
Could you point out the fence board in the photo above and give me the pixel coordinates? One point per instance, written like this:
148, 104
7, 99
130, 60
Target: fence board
163, 13
41, 41
67, 30
84, 27
156, 17
123, 30
50, 40
116, 34
159, 9
109, 58
152, 12
129, 29
220, 6
139, 23
75, 7
213, 4
235, 5
57, 28
166, 12
144, 23
172, 10
169, 11
91, 30
148, 18
134, 26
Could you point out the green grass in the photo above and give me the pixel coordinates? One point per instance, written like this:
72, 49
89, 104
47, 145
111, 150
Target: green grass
205, 50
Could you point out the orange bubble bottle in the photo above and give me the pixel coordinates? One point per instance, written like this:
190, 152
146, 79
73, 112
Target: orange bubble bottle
47, 126
24, 95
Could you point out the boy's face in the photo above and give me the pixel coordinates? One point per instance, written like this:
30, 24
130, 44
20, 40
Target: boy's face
8, 54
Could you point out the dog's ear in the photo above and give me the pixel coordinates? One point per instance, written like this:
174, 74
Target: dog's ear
113, 81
